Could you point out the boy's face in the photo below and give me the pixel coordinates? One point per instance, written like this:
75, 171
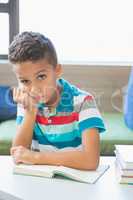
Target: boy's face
38, 79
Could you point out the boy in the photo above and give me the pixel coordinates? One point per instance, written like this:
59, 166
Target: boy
58, 124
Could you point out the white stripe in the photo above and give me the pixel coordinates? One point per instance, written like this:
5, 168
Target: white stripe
89, 113
59, 129
35, 145
50, 148
78, 99
20, 110
44, 148
71, 148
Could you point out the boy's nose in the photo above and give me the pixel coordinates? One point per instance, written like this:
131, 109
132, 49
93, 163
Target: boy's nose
35, 91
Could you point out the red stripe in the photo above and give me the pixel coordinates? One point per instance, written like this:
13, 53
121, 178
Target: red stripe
88, 98
55, 120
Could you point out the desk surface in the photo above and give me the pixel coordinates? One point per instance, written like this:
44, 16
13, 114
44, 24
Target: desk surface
33, 188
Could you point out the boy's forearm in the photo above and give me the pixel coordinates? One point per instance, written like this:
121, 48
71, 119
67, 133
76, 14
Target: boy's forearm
25, 131
74, 158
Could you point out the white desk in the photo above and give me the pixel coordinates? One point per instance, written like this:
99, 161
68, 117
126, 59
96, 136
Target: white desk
36, 188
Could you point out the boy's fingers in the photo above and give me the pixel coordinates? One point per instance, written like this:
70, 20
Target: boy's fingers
13, 150
18, 93
21, 96
16, 160
17, 148
14, 94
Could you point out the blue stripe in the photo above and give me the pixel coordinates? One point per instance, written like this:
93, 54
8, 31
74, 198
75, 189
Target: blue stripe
93, 122
38, 135
19, 119
76, 142
66, 100
69, 136
42, 139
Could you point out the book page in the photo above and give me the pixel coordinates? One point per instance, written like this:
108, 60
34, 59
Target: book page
49, 171
82, 175
126, 152
34, 170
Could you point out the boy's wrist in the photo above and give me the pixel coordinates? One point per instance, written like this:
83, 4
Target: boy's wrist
30, 116
38, 158
31, 113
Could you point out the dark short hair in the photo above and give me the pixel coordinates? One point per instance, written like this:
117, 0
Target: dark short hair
32, 46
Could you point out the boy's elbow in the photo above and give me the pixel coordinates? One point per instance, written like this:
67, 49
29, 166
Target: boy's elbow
91, 164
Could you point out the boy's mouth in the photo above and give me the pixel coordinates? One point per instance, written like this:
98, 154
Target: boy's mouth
37, 98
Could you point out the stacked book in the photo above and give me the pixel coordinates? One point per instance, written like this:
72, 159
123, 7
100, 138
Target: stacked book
124, 163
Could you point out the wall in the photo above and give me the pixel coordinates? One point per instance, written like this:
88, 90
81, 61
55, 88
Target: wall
106, 83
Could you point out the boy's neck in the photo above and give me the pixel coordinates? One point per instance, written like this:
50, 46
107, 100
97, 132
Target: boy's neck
52, 104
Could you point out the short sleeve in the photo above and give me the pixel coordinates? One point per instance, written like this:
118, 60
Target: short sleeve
20, 114
89, 116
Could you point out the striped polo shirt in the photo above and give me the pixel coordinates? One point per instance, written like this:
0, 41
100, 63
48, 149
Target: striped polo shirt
62, 129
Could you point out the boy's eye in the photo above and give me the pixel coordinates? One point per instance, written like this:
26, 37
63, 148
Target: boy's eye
41, 77
24, 81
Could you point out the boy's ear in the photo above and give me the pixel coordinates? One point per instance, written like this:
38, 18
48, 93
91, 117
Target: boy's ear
58, 70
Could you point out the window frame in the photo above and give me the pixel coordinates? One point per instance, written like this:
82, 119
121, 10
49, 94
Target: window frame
12, 9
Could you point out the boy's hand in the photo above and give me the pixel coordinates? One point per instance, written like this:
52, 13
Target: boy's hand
22, 97
23, 155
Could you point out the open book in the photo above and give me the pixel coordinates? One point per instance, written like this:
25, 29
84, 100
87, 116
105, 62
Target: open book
50, 171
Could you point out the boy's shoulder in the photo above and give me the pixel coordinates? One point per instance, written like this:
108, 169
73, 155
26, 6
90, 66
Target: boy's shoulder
75, 90
78, 95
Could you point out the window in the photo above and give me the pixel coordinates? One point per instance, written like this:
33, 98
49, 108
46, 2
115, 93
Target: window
4, 1
4, 33
85, 30
9, 22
